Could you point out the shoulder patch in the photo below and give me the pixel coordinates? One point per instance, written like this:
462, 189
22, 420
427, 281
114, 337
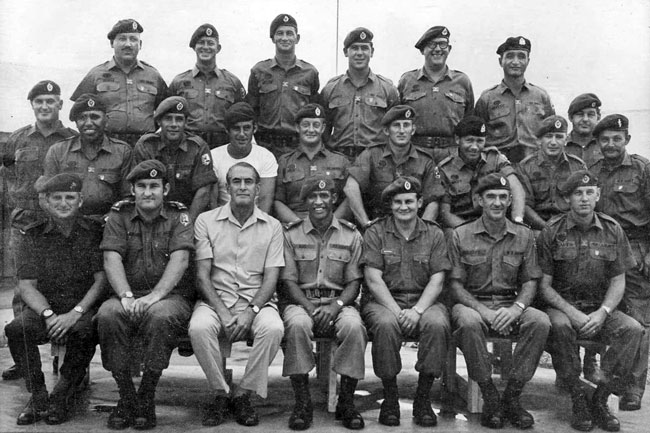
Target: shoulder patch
123, 204
292, 224
176, 205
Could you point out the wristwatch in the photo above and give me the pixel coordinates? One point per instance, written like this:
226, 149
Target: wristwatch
340, 303
607, 309
518, 219
520, 305
79, 309
47, 313
126, 295
254, 307
417, 310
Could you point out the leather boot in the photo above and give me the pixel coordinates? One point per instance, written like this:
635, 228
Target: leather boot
303, 411
580, 417
491, 417
145, 417
423, 414
12, 373
60, 397
122, 416
512, 410
35, 409
345, 410
389, 412
600, 412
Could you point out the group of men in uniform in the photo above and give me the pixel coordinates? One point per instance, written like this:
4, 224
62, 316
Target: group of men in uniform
186, 210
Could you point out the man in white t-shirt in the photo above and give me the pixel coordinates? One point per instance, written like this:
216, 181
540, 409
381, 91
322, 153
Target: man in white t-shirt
240, 121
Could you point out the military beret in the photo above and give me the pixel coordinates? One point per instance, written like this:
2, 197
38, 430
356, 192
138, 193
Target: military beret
552, 124
398, 112
311, 111
45, 87
586, 100
317, 183
514, 43
576, 180
148, 169
239, 112
86, 102
432, 33
282, 20
614, 122
128, 25
203, 30
360, 34
470, 125
492, 181
62, 182
401, 185
173, 104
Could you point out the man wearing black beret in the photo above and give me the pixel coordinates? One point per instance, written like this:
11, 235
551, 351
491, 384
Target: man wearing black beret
513, 109
209, 91
278, 87
131, 88
441, 96
584, 114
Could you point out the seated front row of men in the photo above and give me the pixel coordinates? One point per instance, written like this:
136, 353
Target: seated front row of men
490, 264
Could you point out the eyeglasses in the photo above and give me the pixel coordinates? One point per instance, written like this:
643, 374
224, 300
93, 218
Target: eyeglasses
443, 45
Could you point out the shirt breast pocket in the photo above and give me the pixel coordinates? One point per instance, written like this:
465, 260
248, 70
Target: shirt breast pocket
134, 253
338, 102
535, 109
27, 154
293, 176
602, 252
456, 98
265, 89
627, 187
421, 269
307, 266
110, 178
376, 102
225, 95
337, 260
190, 93
107, 86
414, 96
568, 253
302, 90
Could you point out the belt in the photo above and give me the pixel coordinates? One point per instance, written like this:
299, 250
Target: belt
321, 293
431, 142
277, 139
502, 296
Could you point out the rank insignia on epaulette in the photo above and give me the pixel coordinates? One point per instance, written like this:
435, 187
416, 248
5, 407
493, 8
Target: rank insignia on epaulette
205, 159
184, 219
291, 224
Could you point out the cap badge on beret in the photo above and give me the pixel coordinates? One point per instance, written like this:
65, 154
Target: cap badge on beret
619, 123
208, 31
73, 185
322, 184
179, 106
408, 114
407, 185
317, 111
153, 173
444, 32
91, 103
362, 36
503, 181
585, 179
558, 124
285, 19
522, 41
482, 128
593, 104
134, 25
49, 87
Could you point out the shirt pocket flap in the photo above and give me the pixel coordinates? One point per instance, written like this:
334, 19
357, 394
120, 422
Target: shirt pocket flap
109, 177
147, 88
512, 259
305, 254
268, 88
339, 101
565, 253
190, 93
339, 255
473, 260
27, 154
108, 86
627, 188
376, 101
421, 258
455, 97
303, 90
602, 252
226, 95
414, 96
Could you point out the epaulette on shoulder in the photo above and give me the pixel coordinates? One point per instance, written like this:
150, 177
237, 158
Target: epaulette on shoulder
334, 79
147, 136
194, 138
146, 64
31, 226
406, 73
19, 131
90, 223
114, 140
528, 158
491, 88
375, 221
387, 80
606, 217
638, 157
555, 219
433, 223
123, 204
446, 160
572, 156
176, 205
292, 224
466, 222
347, 224
521, 223
491, 149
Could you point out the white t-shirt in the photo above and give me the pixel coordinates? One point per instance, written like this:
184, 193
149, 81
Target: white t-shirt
259, 157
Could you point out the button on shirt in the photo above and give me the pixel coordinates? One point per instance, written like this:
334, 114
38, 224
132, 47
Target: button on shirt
493, 266
375, 169
145, 247
327, 263
355, 113
130, 98
406, 264
542, 178
239, 253
276, 94
103, 172
459, 179
625, 193
512, 120
28, 146
590, 153
582, 263
208, 97
440, 105
189, 165
295, 168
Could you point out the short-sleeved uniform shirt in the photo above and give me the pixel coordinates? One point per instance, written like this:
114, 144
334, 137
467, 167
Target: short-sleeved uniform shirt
145, 247
542, 178
277, 94
239, 253
103, 172
582, 263
590, 153
511, 121
355, 113
28, 146
63, 267
440, 105
406, 264
490, 266
375, 168
130, 98
625, 193
259, 157
322, 266
460, 179
295, 168
208, 97
189, 165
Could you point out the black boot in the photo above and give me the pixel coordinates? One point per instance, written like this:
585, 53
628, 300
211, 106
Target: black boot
145, 417
60, 397
423, 414
512, 410
122, 416
345, 410
389, 412
491, 417
35, 409
12, 373
303, 411
580, 417
600, 412
244, 411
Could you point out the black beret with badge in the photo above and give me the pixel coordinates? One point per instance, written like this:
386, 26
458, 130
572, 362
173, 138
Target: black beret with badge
432, 33
492, 181
398, 112
552, 124
401, 185
128, 25
360, 34
586, 100
204, 30
62, 182
576, 180
311, 111
317, 183
514, 43
282, 20
45, 87
148, 169
613, 122
470, 125
239, 112
173, 104
86, 102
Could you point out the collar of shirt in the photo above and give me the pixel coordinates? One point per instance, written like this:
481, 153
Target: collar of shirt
480, 227
76, 145
412, 153
112, 64
300, 152
51, 226
298, 63
571, 222
542, 159
422, 73
34, 129
420, 226
371, 76
572, 140
225, 212
161, 144
196, 71
136, 215
460, 164
502, 87
309, 227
